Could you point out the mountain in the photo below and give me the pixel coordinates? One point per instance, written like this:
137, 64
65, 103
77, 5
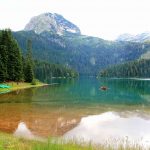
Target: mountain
54, 23
125, 37
86, 54
143, 37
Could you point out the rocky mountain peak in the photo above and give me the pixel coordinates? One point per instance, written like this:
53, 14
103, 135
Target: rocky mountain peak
51, 22
143, 37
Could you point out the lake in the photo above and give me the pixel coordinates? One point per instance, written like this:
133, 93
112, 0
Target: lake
78, 108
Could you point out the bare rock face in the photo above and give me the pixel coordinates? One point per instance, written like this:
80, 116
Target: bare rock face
54, 23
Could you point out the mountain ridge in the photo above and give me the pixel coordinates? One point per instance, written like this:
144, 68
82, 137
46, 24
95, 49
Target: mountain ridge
86, 54
142, 37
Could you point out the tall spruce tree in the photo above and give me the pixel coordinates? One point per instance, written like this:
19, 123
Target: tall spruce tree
2, 71
18, 63
14, 62
29, 75
10, 57
23, 66
4, 47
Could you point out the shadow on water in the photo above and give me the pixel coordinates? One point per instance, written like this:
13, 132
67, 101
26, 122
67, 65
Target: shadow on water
19, 96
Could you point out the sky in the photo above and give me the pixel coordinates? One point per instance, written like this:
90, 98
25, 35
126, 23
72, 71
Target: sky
106, 19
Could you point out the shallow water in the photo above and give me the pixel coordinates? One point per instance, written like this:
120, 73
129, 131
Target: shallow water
60, 109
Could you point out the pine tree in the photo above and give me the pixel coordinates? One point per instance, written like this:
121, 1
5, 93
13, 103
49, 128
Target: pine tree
2, 71
29, 72
14, 62
18, 63
29, 75
23, 67
4, 47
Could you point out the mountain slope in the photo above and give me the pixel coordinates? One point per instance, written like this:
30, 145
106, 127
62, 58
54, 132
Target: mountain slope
51, 22
125, 37
57, 40
85, 54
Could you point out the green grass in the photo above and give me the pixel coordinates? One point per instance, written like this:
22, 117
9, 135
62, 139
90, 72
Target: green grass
20, 85
8, 142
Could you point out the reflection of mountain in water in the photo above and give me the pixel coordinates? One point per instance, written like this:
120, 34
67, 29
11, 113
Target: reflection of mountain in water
54, 110
111, 127
23, 131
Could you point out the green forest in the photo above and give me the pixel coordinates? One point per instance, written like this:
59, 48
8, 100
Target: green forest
137, 68
15, 66
86, 54
19, 64
44, 71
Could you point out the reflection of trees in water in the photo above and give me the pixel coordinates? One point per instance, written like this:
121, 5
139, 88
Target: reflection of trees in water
62, 81
10, 116
127, 91
19, 96
86, 90
53, 108
41, 120
129, 85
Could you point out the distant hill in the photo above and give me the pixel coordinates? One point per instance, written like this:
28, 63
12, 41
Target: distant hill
88, 55
138, 68
143, 37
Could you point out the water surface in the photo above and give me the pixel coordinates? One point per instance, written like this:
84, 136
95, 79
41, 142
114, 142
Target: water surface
59, 109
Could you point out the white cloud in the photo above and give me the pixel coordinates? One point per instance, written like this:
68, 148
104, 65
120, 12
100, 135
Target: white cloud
103, 18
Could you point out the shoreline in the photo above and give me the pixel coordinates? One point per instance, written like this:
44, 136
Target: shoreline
20, 86
126, 78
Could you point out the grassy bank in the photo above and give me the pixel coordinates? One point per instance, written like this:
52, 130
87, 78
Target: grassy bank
9, 142
20, 85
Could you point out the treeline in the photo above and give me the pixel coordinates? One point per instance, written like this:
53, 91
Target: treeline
44, 70
14, 66
138, 68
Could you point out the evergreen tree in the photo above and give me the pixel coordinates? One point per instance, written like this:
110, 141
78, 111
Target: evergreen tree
14, 62
4, 48
10, 56
29, 75
23, 67
2, 71
29, 72
45, 70
137, 68
18, 63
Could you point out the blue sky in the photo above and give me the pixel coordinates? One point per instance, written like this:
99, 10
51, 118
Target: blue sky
103, 18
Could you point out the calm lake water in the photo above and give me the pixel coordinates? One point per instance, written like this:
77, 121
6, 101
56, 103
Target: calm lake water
78, 108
